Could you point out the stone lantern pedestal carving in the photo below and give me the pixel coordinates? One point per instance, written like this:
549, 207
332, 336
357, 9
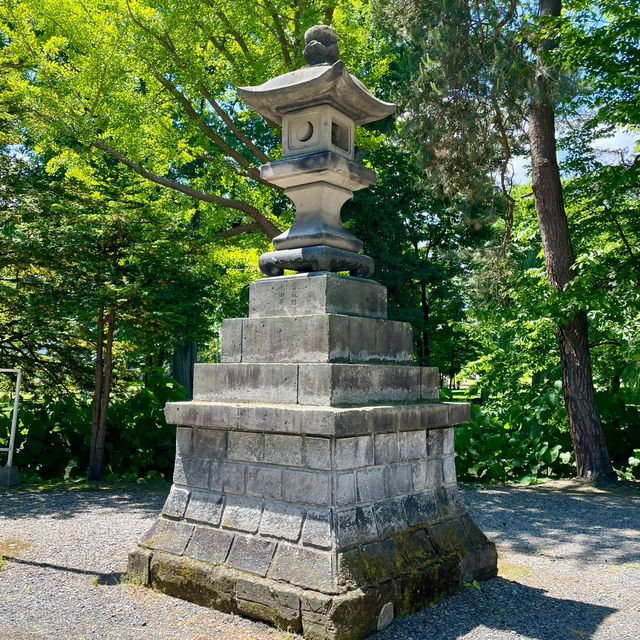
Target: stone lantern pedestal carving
315, 483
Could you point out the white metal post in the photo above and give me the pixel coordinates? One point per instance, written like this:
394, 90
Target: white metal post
14, 416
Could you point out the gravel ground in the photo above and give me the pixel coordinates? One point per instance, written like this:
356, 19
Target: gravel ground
569, 568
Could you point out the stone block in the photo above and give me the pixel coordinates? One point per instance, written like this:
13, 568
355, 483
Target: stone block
419, 475
413, 445
480, 564
279, 606
345, 489
138, 563
228, 477
304, 567
242, 513
251, 554
184, 441
386, 448
284, 450
281, 521
210, 443
450, 502
168, 535
371, 484
231, 337
385, 341
434, 415
459, 412
367, 566
355, 526
415, 550
448, 442
390, 516
245, 446
205, 584
306, 487
218, 415
435, 442
205, 506
449, 469
176, 503
420, 508
245, 382
339, 384
317, 293
398, 478
355, 452
317, 453
317, 528
434, 472
429, 383
209, 545
264, 482
191, 472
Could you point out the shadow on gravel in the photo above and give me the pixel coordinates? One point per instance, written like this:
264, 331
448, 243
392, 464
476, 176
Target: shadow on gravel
586, 526
101, 578
505, 606
69, 504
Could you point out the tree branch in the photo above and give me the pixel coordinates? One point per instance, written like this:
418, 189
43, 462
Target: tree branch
266, 226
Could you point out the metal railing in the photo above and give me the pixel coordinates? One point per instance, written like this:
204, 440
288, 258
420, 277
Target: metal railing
14, 415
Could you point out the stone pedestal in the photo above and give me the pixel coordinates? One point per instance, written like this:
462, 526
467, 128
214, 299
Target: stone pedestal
9, 476
315, 483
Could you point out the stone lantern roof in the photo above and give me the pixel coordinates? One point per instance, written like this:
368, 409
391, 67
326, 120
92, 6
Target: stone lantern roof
319, 106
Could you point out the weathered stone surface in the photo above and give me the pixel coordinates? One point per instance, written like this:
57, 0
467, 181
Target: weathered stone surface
317, 453
386, 448
246, 447
355, 526
390, 516
168, 535
413, 445
251, 554
434, 415
398, 479
371, 484
205, 506
242, 513
307, 568
323, 338
231, 337
311, 293
264, 482
280, 606
385, 618
198, 582
228, 477
244, 382
336, 384
138, 564
355, 452
209, 545
210, 443
283, 449
317, 528
429, 383
421, 507
307, 487
191, 472
176, 503
184, 441
459, 412
281, 521
345, 489
449, 469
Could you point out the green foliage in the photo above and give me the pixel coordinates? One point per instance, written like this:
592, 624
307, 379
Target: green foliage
53, 435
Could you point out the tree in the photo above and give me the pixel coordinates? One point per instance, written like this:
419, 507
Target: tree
480, 75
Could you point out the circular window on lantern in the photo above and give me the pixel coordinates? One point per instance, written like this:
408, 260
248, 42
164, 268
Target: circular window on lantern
304, 131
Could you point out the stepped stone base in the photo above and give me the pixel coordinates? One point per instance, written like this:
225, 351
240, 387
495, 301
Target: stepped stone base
319, 492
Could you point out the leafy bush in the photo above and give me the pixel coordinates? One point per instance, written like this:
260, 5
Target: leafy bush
53, 437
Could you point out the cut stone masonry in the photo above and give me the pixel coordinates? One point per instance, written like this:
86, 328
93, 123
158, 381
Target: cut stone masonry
318, 492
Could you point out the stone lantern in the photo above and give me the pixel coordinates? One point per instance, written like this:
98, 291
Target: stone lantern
314, 483
318, 106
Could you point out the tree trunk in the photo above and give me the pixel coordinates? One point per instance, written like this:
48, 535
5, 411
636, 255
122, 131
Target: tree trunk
184, 357
104, 377
592, 457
